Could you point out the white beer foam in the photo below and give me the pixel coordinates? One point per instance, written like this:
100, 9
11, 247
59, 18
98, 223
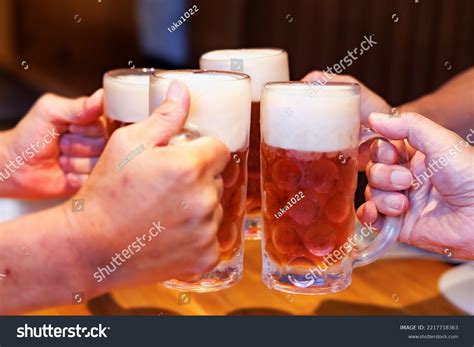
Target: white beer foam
327, 120
261, 64
126, 97
220, 104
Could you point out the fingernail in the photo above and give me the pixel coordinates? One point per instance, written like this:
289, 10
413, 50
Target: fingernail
63, 160
175, 90
384, 152
73, 180
94, 98
395, 203
401, 178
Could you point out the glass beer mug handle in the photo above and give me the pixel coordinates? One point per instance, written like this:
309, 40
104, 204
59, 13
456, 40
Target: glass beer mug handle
184, 136
391, 225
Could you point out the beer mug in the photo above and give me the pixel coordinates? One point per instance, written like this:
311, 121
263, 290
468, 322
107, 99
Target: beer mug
126, 93
219, 107
309, 165
262, 65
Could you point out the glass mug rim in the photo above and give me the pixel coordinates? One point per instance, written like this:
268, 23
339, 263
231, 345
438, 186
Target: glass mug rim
330, 86
276, 52
128, 71
238, 76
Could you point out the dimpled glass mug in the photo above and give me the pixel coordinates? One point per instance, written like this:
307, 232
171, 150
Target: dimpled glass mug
262, 65
309, 160
220, 104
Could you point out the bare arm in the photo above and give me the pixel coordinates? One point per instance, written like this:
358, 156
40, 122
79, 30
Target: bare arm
452, 105
8, 166
43, 262
49, 256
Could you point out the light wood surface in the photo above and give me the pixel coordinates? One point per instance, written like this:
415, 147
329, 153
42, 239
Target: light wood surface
387, 287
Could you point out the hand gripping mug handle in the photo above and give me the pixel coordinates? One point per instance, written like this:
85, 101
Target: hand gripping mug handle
391, 225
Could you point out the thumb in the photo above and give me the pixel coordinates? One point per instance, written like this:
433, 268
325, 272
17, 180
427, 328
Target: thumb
169, 118
423, 134
64, 111
446, 153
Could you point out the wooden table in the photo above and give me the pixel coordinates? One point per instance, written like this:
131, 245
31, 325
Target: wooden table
387, 287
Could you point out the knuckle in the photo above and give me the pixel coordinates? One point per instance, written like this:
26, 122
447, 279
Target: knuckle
220, 215
166, 109
376, 170
313, 74
207, 236
208, 260
120, 136
47, 102
219, 150
188, 171
208, 203
368, 168
350, 78
368, 193
47, 97
413, 116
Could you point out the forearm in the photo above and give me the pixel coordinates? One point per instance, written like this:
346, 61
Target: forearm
42, 262
7, 167
451, 106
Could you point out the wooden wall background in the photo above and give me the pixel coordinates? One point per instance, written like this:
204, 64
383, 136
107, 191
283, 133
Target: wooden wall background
412, 57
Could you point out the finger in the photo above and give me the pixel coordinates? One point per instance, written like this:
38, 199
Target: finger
219, 182
77, 165
423, 134
440, 146
367, 213
79, 146
204, 203
384, 152
389, 203
75, 180
388, 177
213, 153
95, 129
364, 155
218, 215
168, 119
64, 111
208, 226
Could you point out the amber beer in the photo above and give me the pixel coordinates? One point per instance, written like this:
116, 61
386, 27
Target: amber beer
308, 203
126, 97
309, 173
220, 107
262, 65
